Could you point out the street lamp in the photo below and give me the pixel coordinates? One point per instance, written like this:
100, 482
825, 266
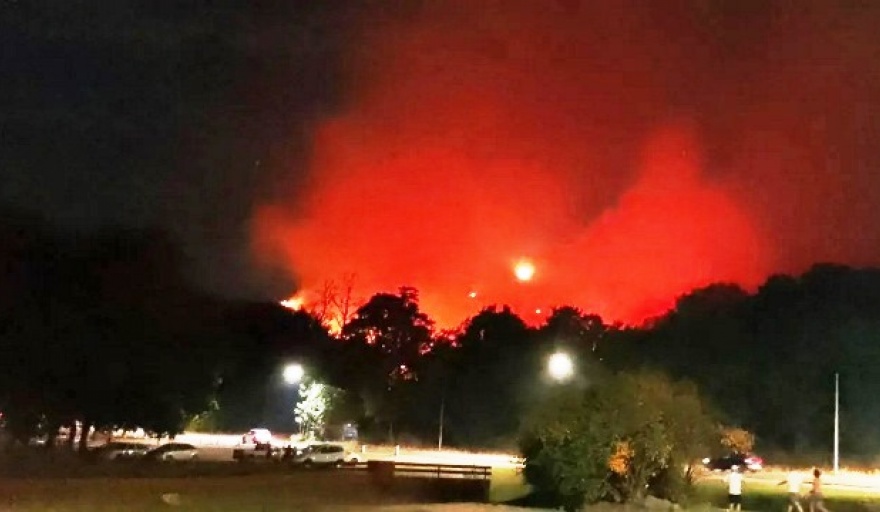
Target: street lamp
293, 373
836, 460
560, 366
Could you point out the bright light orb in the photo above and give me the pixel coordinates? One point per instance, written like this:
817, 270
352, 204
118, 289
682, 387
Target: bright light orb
560, 366
524, 271
293, 373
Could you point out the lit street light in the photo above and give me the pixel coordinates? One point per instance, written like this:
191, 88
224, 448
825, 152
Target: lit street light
293, 373
560, 366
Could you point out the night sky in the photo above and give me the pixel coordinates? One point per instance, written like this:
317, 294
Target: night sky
632, 150
178, 114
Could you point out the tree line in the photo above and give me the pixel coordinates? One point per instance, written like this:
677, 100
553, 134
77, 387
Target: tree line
106, 331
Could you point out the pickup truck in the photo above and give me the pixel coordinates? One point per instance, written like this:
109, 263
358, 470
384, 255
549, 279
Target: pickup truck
257, 443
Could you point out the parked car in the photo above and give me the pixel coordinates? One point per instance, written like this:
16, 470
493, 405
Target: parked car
122, 451
325, 455
173, 452
745, 461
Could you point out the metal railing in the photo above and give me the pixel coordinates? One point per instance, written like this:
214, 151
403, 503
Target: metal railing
417, 470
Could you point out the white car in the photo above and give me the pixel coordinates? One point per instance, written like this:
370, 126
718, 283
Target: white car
122, 451
173, 452
325, 455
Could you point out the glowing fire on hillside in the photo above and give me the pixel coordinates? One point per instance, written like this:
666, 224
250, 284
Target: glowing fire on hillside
294, 303
494, 177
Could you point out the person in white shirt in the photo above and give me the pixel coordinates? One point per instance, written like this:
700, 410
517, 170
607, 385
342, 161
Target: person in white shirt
794, 482
734, 489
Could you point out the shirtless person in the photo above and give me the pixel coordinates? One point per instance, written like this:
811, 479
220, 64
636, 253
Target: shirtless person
816, 498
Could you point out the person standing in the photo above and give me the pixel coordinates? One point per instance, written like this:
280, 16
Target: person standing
734, 489
817, 500
794, 481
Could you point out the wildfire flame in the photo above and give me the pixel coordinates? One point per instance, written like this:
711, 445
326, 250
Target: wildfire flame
294, 303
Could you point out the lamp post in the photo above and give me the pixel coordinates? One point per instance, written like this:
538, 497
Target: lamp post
293, 374
836, 422
442, 411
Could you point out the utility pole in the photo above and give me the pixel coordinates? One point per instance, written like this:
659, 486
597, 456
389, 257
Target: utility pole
440, 433
836, 422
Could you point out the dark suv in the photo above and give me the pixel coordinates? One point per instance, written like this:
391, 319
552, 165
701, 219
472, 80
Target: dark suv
742, 460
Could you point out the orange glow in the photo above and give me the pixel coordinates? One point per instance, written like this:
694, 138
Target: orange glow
457, 155
334, 326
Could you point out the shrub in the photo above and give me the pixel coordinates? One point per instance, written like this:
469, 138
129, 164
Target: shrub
624, 437
737, 439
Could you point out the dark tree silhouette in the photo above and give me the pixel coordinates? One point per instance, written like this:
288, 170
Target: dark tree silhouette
384, 344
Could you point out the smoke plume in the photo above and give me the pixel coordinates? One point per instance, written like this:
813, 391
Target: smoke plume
630, 150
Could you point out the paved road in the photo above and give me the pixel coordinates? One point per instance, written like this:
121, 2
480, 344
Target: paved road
213, 451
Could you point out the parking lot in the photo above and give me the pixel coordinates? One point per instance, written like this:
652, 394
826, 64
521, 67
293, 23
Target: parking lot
219, 448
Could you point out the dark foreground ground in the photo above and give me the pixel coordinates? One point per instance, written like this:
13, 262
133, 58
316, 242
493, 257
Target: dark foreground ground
306, 491
303, 491
66, 484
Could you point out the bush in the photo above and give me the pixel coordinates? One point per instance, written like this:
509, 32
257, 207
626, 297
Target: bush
627, 436
673, 484
563, 462
737, 440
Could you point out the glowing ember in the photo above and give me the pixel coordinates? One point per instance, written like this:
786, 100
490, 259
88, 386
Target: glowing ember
524, 270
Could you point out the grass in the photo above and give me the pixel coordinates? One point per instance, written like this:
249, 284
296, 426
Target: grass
768, 496
507, 485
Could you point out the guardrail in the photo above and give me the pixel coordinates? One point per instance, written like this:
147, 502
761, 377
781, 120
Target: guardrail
390, 469
443, 471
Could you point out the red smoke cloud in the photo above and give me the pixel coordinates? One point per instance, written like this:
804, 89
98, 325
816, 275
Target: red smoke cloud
480, 135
